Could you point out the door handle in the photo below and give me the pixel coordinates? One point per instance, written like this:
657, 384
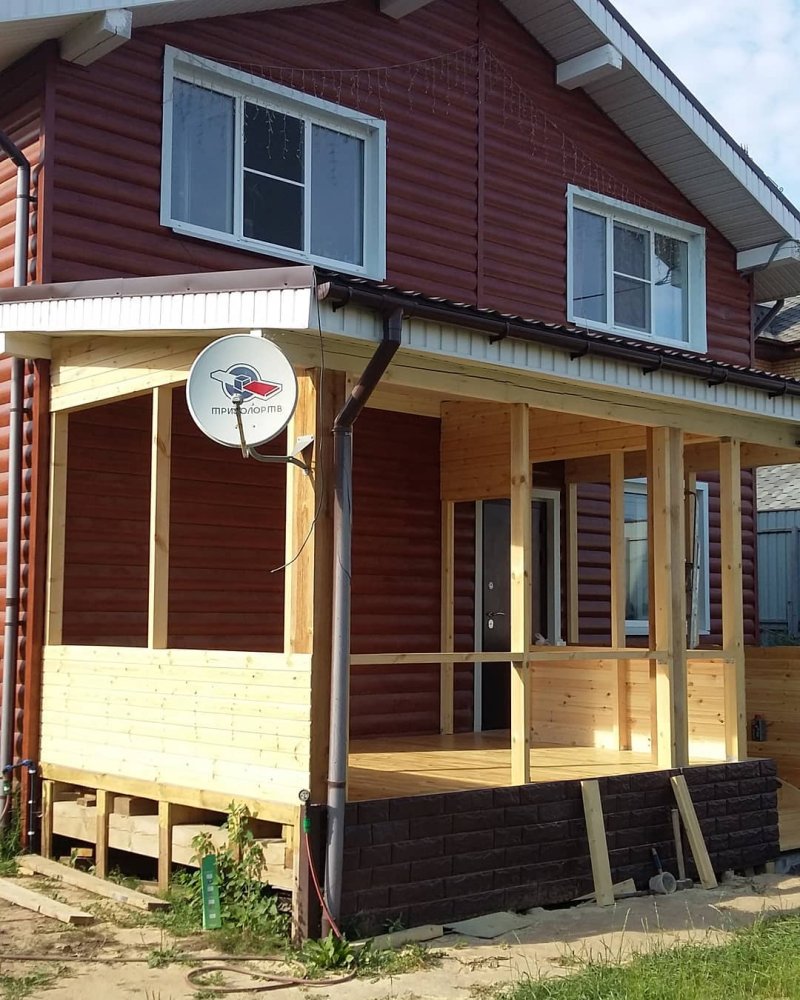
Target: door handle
495, 614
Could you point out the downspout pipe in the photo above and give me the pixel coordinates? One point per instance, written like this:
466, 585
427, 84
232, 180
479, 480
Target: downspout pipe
340, 638
13, 523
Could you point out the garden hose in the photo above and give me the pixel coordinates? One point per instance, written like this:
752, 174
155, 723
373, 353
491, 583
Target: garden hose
272, 982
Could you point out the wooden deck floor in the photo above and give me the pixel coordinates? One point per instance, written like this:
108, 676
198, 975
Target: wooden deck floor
416, 765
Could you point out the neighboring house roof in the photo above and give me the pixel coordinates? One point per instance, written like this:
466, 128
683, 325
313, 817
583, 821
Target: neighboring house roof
778, 487
643, 98
785, 327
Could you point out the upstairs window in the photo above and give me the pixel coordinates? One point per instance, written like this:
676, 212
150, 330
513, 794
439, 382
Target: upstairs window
258, 166
633, 272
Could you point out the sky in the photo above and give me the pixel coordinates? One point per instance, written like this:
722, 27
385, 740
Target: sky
739, 58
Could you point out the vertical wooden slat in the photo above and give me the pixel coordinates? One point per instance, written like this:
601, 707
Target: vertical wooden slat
521, 597
666, 541
57, 523
446, 674
160, 469
618, 597
308, 576
598, 843
165, 824
101, 845
730, 499
48, 796
573, 598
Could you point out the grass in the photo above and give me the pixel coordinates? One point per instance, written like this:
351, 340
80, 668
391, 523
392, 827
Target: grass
761, 962
414, 957
18, 987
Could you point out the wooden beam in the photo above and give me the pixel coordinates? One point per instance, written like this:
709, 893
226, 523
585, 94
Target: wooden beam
57, 524
30, 900
584, 69
308, 576
693, 832
730, 501
619, 597
573, 594
101, 841
598, 844
160, 473
446, 670
166, 822
91, 883
96, 37
666, 541
520, 596
25, 345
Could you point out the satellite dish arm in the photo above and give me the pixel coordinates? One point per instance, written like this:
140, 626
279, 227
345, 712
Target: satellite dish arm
300, 456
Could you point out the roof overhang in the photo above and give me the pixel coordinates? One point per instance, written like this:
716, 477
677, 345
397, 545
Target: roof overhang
643, 97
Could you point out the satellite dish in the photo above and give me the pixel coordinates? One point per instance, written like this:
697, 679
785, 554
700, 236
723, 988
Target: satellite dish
244, 373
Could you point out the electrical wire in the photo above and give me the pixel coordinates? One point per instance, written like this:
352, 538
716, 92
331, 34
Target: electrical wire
320, 895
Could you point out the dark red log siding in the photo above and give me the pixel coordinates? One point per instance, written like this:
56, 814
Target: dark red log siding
396, 572
476, 187
107, 529
226, 537
594, 574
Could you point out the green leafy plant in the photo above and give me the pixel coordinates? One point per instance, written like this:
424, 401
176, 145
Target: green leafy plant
18, 987
160, 958
329, 953
252, 915
376, 962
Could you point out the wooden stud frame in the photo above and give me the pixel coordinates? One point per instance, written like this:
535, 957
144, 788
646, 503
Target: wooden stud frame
618, 597
447, 671
573, 597
730, 499
160, 471
57, 525
520, 603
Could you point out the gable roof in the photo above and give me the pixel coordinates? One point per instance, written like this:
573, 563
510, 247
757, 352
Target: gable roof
644, 98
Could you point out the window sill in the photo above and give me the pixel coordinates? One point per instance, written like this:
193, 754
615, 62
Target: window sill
269, 250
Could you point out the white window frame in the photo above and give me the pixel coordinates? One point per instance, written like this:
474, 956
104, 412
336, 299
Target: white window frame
614, 210
180, 65
640, 627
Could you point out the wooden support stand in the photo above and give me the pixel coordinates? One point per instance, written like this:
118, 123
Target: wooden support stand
730, 501
521, 620
447, 671
693, 832
101, 844
618, 598
166, 821
598, 845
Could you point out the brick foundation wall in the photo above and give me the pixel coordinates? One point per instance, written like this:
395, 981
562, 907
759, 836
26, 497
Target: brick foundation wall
438, 858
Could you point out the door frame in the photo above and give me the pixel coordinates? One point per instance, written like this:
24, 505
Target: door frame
552, 499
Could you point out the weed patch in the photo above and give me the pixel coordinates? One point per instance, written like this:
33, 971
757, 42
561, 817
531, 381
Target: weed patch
18, 987
414, 957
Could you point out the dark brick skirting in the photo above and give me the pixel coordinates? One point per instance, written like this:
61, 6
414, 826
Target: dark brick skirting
436, 858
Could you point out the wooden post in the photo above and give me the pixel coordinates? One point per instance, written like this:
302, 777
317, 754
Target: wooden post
520, 603
308, 577
48, 796
446, 670
160, 470
166, 820
573, 597
57, 524
730, 501
619, 597
101, 841
666, 541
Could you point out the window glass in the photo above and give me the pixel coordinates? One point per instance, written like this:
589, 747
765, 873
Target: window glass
670, 291
273, 211
273, 143
589, 265
202, 157
637, 600
337, 195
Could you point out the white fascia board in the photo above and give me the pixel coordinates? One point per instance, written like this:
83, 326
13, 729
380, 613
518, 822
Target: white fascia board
188, 313
681, 104
587, 68
767, 256
399, 8
96, 37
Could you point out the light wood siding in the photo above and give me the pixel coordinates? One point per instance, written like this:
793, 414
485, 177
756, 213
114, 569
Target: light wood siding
573, 704
772, 678
233, 722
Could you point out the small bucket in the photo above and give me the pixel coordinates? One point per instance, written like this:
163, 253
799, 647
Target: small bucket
663, 883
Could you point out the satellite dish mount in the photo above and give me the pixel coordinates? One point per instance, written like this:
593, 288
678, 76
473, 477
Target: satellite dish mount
299, 456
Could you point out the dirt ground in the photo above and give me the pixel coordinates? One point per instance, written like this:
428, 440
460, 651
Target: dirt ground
468, 966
